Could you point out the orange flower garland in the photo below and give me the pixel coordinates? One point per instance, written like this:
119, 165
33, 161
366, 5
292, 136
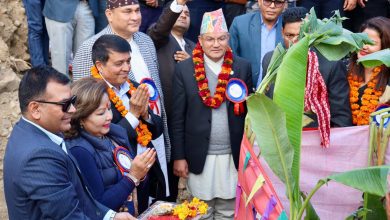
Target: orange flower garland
369, 100
144, 136
200, 76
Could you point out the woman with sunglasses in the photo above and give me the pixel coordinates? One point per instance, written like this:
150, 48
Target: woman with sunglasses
369, 86
101, 148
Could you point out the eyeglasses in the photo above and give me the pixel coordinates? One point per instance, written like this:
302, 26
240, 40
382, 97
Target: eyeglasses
277, 3
65, 104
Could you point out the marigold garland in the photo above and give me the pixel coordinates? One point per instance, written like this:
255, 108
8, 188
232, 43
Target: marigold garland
192, 209
144, 136
202, 81
370, 98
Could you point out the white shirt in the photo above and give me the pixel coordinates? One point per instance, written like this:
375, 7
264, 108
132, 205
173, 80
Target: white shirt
216, 67
181, 42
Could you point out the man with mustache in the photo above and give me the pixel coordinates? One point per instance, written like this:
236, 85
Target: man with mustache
254, 34
41, 179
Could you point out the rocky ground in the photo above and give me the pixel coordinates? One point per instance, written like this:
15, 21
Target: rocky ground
13, 61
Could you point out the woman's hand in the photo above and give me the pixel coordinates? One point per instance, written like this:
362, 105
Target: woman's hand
142, 163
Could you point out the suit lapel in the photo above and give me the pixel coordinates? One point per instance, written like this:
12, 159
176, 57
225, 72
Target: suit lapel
236, 71
255, 33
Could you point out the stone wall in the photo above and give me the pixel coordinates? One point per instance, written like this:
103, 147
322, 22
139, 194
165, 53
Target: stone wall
13, 61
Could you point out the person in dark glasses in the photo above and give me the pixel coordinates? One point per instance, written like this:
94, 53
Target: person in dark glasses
254, 34
41, 179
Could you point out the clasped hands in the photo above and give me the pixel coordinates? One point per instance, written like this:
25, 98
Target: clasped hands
139, 102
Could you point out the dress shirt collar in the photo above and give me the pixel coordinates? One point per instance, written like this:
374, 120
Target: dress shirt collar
123, 89
264, 25
55, 138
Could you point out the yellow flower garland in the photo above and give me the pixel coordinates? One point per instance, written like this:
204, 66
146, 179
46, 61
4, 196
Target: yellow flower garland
370, 98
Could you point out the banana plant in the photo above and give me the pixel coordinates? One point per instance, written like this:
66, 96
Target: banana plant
277, 123
379, 138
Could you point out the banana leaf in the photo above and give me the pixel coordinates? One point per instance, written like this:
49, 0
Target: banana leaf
271, 135
289, 95
376, 59
337, 47
273, 68
376, 207
311, 213
372, 180
358, 214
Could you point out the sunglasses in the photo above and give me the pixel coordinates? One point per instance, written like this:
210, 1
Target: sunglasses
65, 104
278, 4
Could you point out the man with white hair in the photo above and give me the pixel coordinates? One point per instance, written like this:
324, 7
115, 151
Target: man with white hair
207, 125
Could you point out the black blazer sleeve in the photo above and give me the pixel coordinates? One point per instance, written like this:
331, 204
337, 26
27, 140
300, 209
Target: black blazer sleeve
265, 63
338, 93
160, 31
178, 115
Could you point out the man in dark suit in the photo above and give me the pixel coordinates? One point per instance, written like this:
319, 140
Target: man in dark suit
41, 180
172, 47
334, 73
111, 57
206, 130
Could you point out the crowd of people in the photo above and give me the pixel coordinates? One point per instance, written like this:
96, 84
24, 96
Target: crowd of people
149, 99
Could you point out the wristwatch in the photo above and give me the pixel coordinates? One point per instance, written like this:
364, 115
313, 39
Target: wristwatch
133, 179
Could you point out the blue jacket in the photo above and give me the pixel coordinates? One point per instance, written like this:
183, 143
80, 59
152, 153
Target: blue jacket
41, 181
94, 156
245, 40
63, 10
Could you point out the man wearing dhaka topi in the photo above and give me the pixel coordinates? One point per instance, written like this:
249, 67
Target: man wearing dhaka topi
208, 117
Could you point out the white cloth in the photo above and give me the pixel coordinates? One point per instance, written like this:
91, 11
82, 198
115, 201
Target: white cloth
176, 7
181, 42
221, 209
139, 68
216, 67
141, 71
66, 38
218, 179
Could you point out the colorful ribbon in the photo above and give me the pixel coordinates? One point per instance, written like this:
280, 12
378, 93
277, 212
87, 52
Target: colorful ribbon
270, 207
238, 108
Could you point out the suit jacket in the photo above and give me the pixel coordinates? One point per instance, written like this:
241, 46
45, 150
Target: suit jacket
166, 46
191, 119
82, 64
245, 39
156, 184
41, 181
334, 74
63, 11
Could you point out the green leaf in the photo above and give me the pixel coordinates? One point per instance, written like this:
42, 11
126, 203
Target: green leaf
289, 95
376, 59
375, 206
338, 46
311, 213
273, 67
269, 124
358, 214
372, 180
